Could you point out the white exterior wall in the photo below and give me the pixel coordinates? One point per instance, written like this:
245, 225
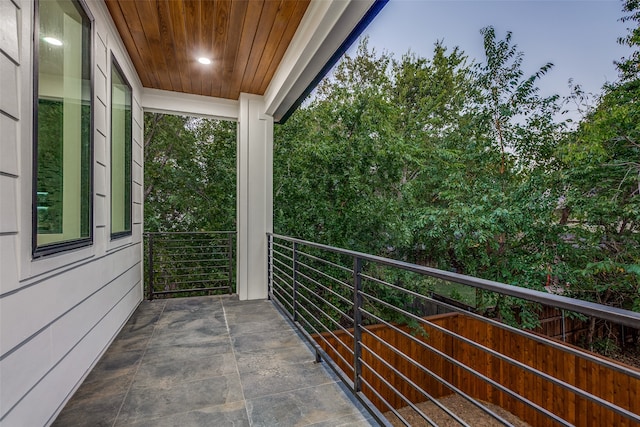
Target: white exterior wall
59, 313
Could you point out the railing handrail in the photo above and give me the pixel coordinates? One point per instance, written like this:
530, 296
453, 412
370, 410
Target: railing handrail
613, 314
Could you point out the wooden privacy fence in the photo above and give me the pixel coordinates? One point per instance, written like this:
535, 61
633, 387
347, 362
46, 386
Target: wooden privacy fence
406, 359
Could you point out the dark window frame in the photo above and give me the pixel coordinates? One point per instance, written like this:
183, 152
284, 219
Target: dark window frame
54, 248
115, 65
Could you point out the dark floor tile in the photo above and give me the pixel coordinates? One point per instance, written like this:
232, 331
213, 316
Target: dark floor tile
188, 337
184, 369
301, 407
153, 402
99, 412
229, 415
265, 340
187, 353
260, 311
256, 360
147, 307
357, 420
101, 388
282, 378
115, 363
197, 304
140, 325
242, 327
131, 340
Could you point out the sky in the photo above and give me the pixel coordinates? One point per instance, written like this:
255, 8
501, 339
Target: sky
579, 37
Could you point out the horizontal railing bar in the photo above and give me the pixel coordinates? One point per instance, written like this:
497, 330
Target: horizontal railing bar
391, 408
613, 314
277, 291
156, 233
335, 279
276, 268
191, 281
280, 245
325, 288
161, 275
284, 294
535, 337
182, 261
428, 372
177, 291
327, 262
172, 253
282, 285
278, 255
405, 398
475, 373
300, 295
193, 244
282, 262
514, 362
319, 334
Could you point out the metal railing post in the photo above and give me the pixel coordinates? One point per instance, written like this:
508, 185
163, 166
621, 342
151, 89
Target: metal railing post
295, 282
230, 253
357, 323
150, 266
269, 265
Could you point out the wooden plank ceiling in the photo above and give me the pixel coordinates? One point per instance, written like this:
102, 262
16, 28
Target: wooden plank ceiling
244, 39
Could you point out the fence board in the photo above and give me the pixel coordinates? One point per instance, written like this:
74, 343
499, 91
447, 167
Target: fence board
604, 382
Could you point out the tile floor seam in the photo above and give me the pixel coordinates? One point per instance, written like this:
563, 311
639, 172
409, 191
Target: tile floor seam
293, 390
244, 400
133, 377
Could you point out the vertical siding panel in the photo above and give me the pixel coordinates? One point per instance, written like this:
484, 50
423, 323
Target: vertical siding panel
8, 205
9, 272
8, 145
9, 40
9, 88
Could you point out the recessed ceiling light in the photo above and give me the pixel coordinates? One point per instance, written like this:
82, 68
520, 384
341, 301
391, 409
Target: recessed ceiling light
52, 40
203, 60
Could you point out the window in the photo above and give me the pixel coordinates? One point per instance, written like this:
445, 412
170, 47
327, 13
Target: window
62, 187
120, 153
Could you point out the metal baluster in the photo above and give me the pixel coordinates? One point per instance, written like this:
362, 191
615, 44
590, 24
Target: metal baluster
295, 282
357, 324
230, 250
150, 266
269, 265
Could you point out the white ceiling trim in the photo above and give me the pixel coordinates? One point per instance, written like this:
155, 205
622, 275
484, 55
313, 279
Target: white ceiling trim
168, 102
323, 29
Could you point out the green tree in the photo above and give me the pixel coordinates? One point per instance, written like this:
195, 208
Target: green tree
190, 173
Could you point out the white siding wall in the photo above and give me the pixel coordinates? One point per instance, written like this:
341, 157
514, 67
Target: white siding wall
58, 313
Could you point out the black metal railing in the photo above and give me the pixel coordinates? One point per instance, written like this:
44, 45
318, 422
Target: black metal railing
365, 316
184, 263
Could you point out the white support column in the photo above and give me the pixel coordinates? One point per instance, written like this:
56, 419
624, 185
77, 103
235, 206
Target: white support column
255, 196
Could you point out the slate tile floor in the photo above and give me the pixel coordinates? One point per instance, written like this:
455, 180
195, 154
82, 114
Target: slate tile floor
210, 361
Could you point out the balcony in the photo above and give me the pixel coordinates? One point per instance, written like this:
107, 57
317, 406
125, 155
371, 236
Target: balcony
386, 346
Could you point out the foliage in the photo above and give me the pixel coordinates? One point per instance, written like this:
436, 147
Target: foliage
466, 167
190, 171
